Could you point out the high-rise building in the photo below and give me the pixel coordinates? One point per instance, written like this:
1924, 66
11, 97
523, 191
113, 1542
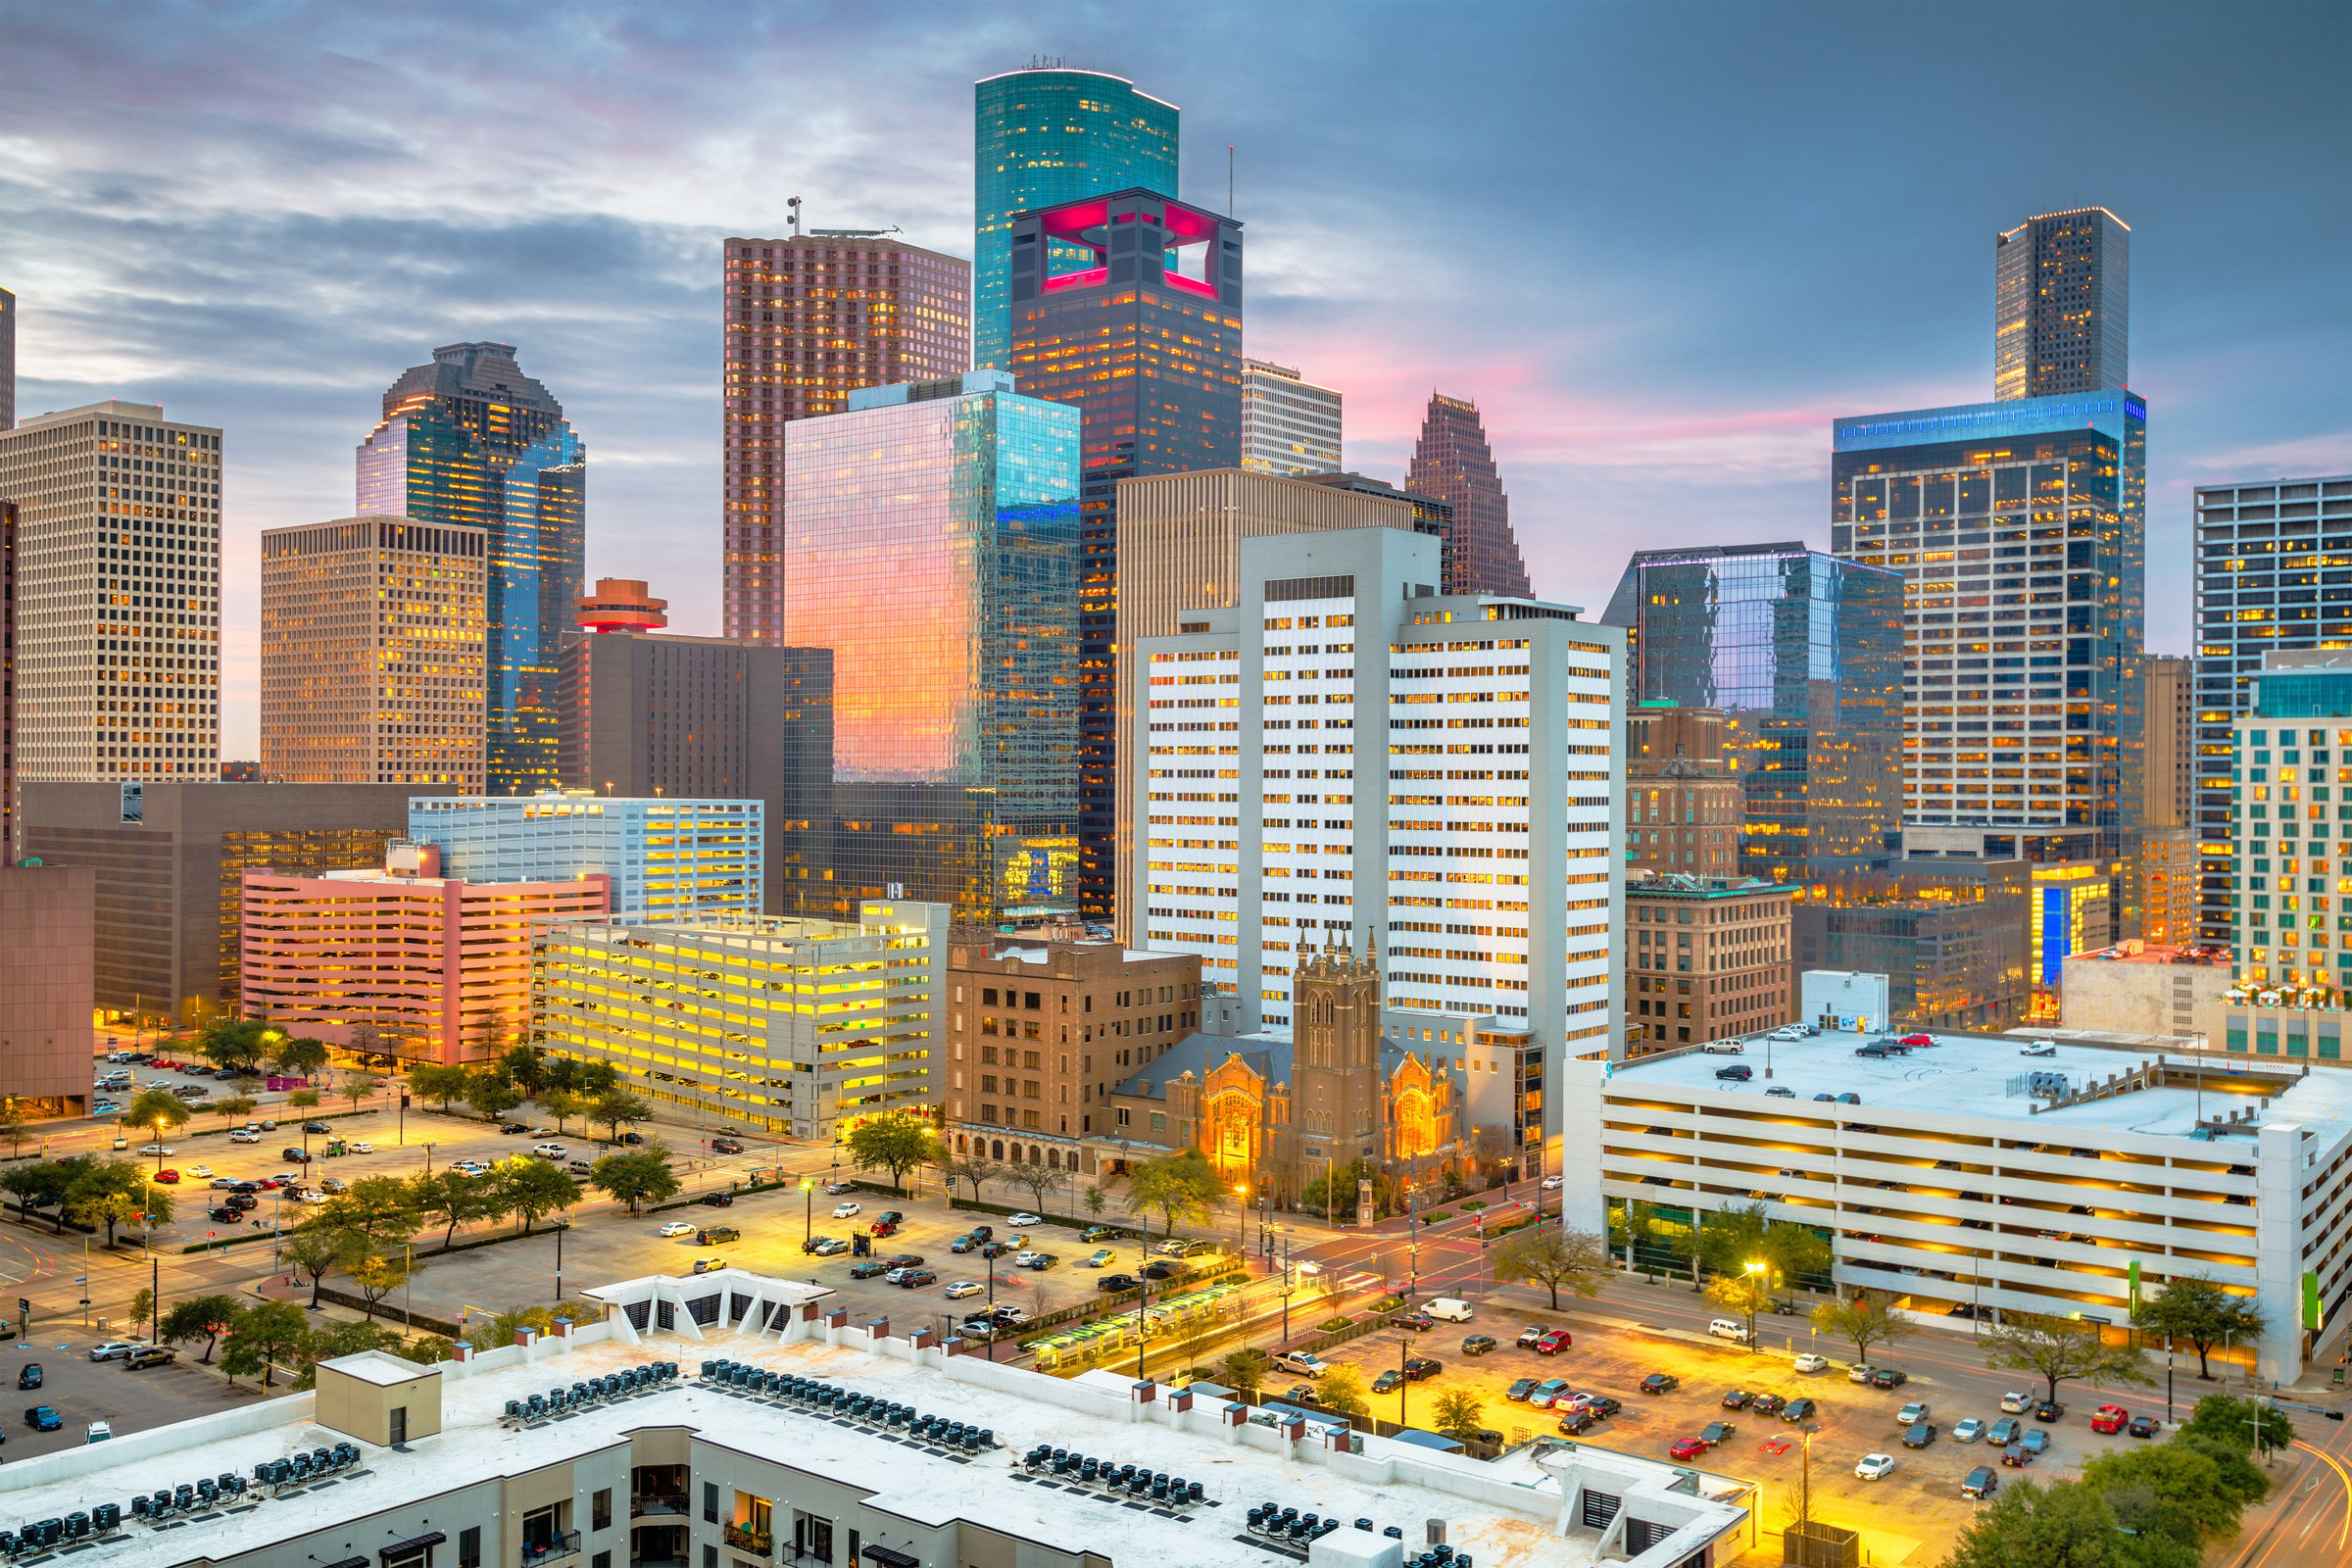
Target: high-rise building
2018, 528
1431, 515
2061, 305
1452, 461
168, 856
48, 960
1350, 756
1146, 342
2167, 842
374, 631
1952, 937
942, 578
1706, 958
8, 682
1044, 1023
663, 860
817, 1024
117, 651
808, 319
1041, 137
1684, 805
400, 959
1802, 654
682, 717
1180, 553
470, 441
7, 359
2296, 740
2261, 548
1289, 424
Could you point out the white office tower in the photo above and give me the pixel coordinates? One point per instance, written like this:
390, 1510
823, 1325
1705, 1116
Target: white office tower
1351, 757
1289, 424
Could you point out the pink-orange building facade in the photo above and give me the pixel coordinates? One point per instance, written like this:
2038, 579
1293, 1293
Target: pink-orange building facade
425, 967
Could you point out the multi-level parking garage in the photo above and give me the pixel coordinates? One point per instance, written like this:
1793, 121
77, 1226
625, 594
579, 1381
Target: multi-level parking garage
1972, 1178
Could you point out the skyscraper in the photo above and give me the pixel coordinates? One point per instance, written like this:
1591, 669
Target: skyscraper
2061, 305
2287, 865
1347, 757
2262, 546
117, 651
942, 577
1452, 461
7, 359
1803, 656
8, 682
808, 319
2168, 846
2018, 530
372, 639
1146, 344
1041, 137
470, 441
1289, 424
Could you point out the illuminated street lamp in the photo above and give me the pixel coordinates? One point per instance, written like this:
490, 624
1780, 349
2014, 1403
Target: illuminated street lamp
1754, 1268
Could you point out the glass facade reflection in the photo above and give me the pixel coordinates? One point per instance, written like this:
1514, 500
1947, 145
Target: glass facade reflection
470, 440
1951, 937
931, 542
1802, 654
1044, 137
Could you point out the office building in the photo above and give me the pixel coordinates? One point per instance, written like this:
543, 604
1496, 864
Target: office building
1146, 342
1683, 807
7, 359
1489, 876
2149, 989
48, 975
2261, 548
2288, 751
1802, 654
1431, 515
808, 319
2061, 305
690, 717
398, 959
8, 682
2020, 1186
374, 639
1289, 424
1951, 936
1180, 552
2018, 528
1041, 137
2167, 866
166, 858
801, 1028
707, 1449
470, 441
117, 651
664, 859
942, 577
1706, 958
1452, 461
1040, 1024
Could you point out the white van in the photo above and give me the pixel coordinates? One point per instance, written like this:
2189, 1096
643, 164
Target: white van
1449, 1309
1724, 1048
1726, 1328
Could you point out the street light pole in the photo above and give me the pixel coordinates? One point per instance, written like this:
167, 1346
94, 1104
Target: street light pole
1754, 1268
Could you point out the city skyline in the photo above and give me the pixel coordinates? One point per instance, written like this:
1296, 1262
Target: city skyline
1690, 383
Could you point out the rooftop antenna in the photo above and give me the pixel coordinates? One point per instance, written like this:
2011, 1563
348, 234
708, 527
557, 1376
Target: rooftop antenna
1229, 180
793, 206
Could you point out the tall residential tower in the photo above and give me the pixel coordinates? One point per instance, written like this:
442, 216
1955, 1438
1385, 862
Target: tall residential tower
470, 441
1044, 137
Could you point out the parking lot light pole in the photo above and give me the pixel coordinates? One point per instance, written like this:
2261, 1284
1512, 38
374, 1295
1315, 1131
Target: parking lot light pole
1755, 1268
807, 1210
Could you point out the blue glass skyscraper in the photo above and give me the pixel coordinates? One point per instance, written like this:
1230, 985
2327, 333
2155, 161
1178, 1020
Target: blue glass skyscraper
1803, 655
1045, 136
471, 439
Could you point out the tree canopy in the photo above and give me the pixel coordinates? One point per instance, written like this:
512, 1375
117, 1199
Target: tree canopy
897, 1144
201, 1317
1744, 1234
1181, 1186
635, 1176
2058, 1350
1544, 1255
269, 1333
531, 1189
1869, 1318
2194, 1308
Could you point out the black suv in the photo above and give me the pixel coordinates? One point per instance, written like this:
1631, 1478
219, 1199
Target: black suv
1738, 1074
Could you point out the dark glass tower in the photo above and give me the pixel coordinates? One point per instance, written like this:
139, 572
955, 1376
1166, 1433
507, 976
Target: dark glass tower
1452, 461
1146, 344
1044, 137
2061, 305
469, 439
1803, 655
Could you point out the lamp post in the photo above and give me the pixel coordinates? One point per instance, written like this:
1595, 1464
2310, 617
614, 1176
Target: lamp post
1404, 1384
1755, 1268
809, 1213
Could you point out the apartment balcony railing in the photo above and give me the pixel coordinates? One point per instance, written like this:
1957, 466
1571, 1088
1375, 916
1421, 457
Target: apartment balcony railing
648, 1504
759, 1543
563, 1544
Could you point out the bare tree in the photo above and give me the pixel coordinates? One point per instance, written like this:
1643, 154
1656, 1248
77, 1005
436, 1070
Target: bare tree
970, 1168
1037, 1181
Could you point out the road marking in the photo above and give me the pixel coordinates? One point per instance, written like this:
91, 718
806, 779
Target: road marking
2343, 1528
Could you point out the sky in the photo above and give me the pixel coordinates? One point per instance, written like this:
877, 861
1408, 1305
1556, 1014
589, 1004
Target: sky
1662, 246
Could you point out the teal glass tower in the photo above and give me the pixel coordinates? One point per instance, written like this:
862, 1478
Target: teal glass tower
1041, 137
469, 439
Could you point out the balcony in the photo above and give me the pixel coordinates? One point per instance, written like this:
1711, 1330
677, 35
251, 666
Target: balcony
563, 1544
759, 1543
654, 1505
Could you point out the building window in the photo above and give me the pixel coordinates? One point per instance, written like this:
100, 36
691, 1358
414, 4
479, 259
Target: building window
469, 1546
710, 1503
600, 1509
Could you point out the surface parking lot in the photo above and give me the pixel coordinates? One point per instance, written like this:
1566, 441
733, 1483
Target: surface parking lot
83, 1391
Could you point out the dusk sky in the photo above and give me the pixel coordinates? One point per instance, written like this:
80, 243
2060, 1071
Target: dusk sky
1661, 245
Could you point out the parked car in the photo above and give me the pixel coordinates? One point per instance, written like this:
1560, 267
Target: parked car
241, 1135
1767, 1404
2109, 1419
1799, 1410
725, 1146
1024, 1222
1388, 1382
963, 1288
1968, 1429
1737, 1072
1554, 1343
718, 1200
1730, 1328
869, 1268
1685, 1449
512, 1129
44, 1418
31, 1376
1579, 1421
1528, 1335
98, 1432
1919, 1435
293, 1156
1886, 1377
1116, 1282
836, 1189
1716, 1433
147, 1356
1416, 1321
1099, 1257
200, 1170
358, 1147
1981, 1482
1099, 1233
1547, 1392
1809, 1362
914, 1279
1478, 1344
322, 1127
717, 1235
1875, 1467
155, 1149
1916, 1410
2145, 1426
678, 1227
1738, 1399
1159, 1271
1303, 1362
2035, 1442
709, 1265
1660, 1383
2016, 1403
1518, 1391
168, 1176
844, 1210
551, 1150
2050, 1410
1421, 1368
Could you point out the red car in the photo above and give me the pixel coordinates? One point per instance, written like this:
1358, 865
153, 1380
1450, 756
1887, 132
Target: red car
1687, 1449
1554, 1343
168, 1175
1918, 1040
2109, 1419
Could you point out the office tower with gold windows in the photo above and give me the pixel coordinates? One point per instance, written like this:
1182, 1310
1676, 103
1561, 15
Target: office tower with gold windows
373, 638
470, 441
2062, 294
1146, 342
808, 318
116, 662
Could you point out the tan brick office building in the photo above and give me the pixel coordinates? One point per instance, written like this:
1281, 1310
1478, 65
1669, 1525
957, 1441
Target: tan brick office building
1705, 958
